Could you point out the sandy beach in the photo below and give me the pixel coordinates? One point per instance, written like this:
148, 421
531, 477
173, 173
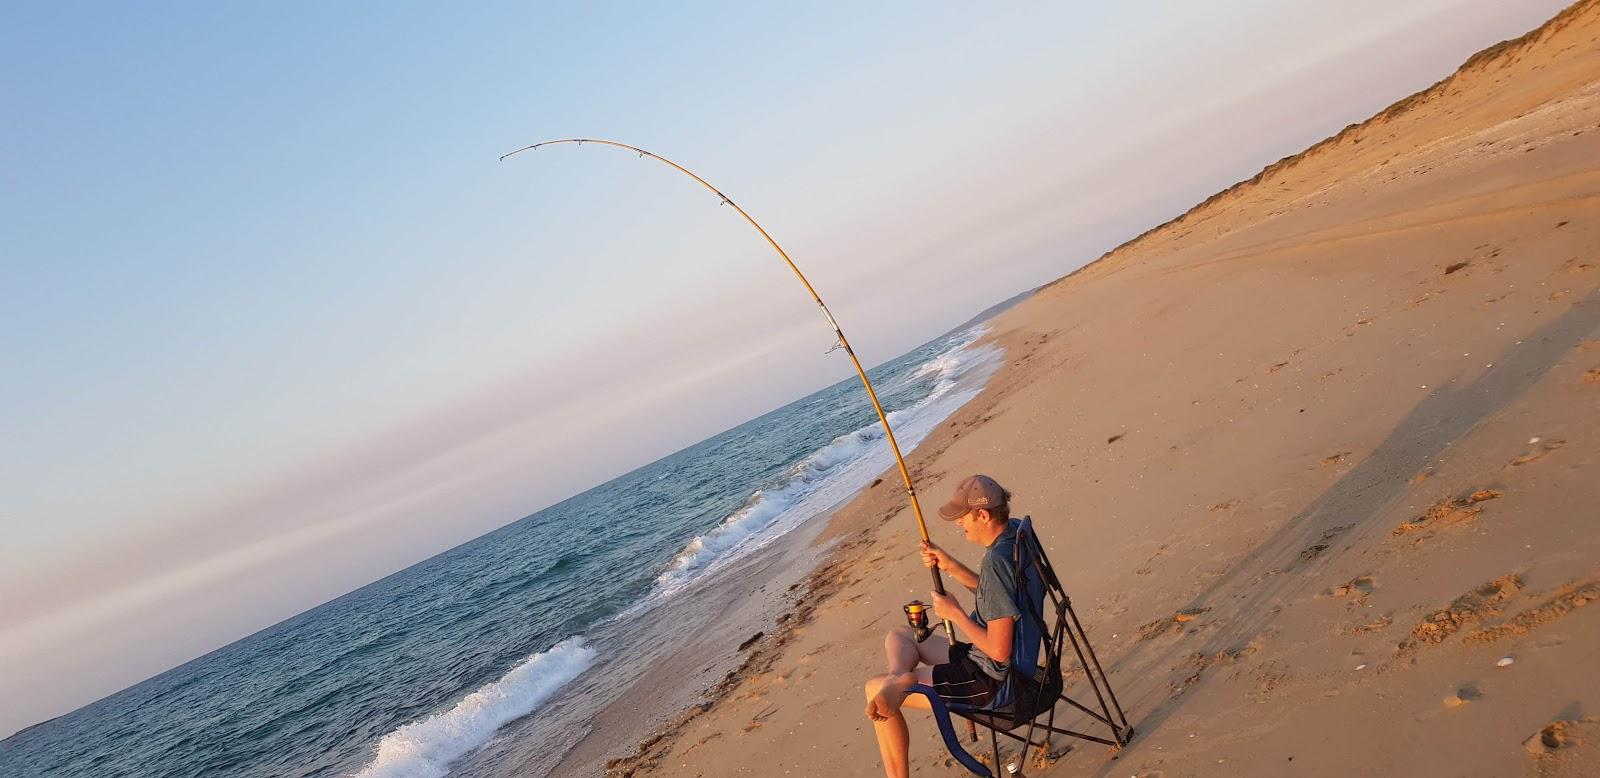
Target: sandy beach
1319, 462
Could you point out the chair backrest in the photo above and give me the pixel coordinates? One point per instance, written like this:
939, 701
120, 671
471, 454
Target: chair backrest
1031, 632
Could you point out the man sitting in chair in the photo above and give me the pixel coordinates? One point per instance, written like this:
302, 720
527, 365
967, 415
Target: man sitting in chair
969, 673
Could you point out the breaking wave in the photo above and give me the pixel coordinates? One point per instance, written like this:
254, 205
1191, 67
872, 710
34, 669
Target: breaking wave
424, 749
837, 469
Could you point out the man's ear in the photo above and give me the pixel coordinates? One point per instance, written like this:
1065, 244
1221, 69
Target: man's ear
987, 516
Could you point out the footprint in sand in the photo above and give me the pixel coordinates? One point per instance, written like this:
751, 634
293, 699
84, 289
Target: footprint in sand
1356, 588
1545, 447
1369, 627
1447, 512
760, 719
807, 656
1465, 693
1565, 748
1558, 603
1482, 602
1173, 623
1558, 748
1315, 550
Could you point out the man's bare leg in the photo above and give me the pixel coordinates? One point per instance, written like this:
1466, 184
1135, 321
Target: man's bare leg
902, 652
885, 696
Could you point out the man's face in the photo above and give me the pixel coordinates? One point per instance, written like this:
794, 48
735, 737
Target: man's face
971, 521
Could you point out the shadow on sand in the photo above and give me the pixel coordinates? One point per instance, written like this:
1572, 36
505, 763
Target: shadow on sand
1275, 571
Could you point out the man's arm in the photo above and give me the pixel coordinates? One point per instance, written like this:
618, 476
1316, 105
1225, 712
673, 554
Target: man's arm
933, 556
994, 640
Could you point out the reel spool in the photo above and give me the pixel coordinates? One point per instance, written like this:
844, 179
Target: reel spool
917, 617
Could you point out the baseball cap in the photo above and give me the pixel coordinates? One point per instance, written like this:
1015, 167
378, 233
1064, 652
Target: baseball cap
974, 491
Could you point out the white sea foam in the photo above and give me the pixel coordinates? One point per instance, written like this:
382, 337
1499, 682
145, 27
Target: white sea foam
833, 472
424, 749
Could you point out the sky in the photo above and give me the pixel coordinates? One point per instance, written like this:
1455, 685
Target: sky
276, 322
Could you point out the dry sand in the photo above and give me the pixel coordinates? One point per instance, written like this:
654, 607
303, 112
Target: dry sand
1346, 413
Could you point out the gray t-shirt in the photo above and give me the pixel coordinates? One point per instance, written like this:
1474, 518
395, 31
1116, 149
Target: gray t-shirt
997, 594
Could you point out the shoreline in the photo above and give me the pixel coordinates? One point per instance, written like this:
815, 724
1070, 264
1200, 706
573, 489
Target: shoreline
730, 627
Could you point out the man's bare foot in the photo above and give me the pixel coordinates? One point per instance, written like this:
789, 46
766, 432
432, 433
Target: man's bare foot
879, 709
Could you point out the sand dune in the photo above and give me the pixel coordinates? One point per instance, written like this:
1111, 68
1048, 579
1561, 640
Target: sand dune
1315, 458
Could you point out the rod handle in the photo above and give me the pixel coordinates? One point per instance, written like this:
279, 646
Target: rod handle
938, 586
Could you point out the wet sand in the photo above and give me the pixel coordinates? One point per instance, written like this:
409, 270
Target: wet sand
1343, 418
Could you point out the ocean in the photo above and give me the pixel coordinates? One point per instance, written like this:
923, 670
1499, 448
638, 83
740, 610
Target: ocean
439, 665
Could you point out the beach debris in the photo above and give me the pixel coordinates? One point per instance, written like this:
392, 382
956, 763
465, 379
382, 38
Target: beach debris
1505, 661
1116, 437
751, 641
1453, 268
1361, 666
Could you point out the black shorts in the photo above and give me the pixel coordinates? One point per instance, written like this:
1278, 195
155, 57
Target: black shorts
962, 681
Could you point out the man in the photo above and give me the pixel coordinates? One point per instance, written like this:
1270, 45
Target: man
968, 672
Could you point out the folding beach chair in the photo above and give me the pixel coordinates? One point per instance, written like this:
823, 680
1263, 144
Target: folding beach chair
1025, 696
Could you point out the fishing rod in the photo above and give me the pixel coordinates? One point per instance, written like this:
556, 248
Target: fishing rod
844, 343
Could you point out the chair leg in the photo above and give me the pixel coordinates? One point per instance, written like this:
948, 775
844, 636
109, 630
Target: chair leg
994, 745
1027, 742
1049, 725
1122, 737
1094, 682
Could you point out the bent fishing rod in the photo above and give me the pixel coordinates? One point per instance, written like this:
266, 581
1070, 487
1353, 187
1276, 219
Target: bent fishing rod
843, 343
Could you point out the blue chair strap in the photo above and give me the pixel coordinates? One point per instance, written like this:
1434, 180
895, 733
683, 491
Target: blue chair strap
941, 714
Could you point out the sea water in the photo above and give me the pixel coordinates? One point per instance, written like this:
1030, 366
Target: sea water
418, 671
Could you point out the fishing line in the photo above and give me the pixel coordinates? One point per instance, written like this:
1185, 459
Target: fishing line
843, 343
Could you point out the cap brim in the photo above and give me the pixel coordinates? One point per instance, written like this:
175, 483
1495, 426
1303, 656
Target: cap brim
951, 511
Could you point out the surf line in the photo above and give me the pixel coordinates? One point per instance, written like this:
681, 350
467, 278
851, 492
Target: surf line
843, 342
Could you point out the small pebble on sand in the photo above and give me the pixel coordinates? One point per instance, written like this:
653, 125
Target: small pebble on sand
1505, 661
